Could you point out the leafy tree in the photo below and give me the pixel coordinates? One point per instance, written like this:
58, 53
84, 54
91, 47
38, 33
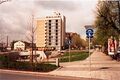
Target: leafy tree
77, 41
105, 23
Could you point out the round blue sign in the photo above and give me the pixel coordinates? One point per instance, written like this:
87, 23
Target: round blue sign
89, 32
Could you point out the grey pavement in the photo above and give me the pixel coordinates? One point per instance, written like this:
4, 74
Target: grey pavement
97, 66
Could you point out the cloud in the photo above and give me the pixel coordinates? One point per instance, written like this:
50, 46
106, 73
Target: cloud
15, 16
56, 4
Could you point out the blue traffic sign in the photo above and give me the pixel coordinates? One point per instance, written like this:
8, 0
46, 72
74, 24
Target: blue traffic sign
89, 33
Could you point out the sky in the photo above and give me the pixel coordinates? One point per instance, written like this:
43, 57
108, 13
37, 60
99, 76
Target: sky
15, 15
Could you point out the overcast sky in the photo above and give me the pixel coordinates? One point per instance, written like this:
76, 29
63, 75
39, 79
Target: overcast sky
15, 16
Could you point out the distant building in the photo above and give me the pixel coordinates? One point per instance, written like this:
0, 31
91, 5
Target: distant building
50, 31
19, 45
22, 45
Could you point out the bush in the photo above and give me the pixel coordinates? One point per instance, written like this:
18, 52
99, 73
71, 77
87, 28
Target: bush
8, 61
26, 66
11, 56
3, 61
44, 67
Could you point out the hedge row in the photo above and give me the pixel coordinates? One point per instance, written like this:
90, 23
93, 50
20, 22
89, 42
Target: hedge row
6, 63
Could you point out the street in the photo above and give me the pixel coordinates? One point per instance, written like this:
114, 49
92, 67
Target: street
7, 75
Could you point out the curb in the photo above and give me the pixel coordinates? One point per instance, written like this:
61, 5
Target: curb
25, 72
40, 74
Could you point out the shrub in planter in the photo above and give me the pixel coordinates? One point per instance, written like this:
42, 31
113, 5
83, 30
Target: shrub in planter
7, 59
3, 61
43, 67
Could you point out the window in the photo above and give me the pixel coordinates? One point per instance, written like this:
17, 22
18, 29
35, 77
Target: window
49, 27
56, 30
49, 31
49, 24
56, 20
49, 21
56, 37
56, 43
56, 40
56, 33
56, 24
49, 37
56, 27
49, 43
45, 39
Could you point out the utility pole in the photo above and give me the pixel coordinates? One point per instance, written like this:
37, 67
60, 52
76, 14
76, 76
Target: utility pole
7, 42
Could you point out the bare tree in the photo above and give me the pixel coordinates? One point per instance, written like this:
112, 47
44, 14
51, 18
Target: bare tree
31, 38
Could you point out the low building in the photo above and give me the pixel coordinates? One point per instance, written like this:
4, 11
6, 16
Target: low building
19, 45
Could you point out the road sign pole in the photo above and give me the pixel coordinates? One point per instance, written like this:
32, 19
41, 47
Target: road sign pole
89, 33
89, 56
69, 51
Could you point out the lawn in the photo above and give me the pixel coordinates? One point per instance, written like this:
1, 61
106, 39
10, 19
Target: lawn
74, 56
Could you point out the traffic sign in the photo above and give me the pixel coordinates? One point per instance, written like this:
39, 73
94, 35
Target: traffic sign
89, 33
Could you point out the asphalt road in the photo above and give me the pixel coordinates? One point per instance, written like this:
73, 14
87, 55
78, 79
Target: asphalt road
23, 76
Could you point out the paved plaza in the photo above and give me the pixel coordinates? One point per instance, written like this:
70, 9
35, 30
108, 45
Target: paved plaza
102, 67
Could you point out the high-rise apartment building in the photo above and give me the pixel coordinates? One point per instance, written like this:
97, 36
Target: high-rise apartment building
50, 31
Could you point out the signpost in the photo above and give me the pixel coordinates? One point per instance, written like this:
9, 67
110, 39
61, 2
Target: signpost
89, 33
69, 49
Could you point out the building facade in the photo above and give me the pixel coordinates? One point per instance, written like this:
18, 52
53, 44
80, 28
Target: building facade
50, 31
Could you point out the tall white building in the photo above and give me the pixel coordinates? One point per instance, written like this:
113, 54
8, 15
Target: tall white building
50, 31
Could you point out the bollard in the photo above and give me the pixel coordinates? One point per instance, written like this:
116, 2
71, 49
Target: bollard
57, 62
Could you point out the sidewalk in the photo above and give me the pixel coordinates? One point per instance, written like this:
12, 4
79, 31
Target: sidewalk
102, 67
